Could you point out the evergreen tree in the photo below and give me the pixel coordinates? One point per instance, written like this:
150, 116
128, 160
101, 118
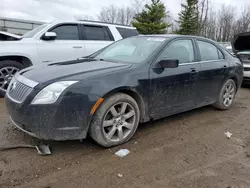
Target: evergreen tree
151, 19
188, 18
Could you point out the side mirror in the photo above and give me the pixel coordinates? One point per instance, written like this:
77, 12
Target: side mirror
49, 36
169, 63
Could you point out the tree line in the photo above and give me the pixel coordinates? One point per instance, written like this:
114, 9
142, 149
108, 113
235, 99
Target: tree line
197, 17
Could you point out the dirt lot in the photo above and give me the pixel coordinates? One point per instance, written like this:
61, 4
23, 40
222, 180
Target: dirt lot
187, 150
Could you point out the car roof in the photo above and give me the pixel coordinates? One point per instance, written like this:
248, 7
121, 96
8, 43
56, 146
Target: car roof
92, 23
178, 36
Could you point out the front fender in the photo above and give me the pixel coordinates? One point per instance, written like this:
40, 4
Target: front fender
97, 88
16, 48
134, 82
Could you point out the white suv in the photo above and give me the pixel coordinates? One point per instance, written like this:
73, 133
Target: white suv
57, 41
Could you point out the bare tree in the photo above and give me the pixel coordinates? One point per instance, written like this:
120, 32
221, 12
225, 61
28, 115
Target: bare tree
108, 14
83, 17
226, 19
125, 15
210, 26
223, 24
219, 25
203, 10
243, 22
114, 14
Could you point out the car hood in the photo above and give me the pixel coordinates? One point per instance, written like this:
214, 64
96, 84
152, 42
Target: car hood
19, 41
241, 42
71, 70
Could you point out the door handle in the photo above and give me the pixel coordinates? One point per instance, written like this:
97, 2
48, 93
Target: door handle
77, 46
224, 66
193, 70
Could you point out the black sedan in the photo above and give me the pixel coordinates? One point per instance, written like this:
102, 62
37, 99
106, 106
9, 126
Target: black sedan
134, 80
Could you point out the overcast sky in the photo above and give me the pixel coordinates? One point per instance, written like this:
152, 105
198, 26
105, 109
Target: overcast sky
48, 10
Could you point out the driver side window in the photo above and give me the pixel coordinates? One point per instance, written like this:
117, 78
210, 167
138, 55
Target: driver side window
182, 50
66, 32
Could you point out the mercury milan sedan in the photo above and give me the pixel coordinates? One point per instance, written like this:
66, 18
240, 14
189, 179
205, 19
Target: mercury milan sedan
135, 80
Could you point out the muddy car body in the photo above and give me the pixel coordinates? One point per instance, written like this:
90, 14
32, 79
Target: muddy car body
133, 80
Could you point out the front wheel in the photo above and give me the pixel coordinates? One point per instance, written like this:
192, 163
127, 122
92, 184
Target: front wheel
226, 96
8, 68
116, 120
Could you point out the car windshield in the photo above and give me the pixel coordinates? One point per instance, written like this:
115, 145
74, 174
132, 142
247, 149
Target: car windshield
31, 33
131, 50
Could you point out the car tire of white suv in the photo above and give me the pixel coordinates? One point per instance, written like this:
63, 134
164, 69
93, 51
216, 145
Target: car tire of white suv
7, 70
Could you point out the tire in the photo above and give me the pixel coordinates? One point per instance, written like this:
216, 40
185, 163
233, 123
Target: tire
221, 103
115, 124
8, 64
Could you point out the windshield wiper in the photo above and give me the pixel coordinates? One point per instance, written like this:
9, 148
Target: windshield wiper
73, 62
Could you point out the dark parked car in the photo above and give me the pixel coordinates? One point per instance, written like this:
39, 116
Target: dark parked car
133, 80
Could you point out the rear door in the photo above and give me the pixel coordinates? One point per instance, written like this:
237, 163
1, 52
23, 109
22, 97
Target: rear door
95, 37
214, 70
64, 47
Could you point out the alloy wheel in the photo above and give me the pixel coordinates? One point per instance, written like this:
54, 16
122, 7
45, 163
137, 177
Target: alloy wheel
119, 121
6, 74
228, 95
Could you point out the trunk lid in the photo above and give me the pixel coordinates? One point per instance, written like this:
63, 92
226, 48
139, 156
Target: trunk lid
241, 46
241, 42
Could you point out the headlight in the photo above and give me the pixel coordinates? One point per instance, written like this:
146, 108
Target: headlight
50, 94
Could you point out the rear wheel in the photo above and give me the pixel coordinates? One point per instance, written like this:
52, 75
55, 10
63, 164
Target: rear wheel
227, 95
116, 120
8, 69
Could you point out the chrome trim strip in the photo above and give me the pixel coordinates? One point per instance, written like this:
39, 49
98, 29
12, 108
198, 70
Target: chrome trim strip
68, 128
26, 81
29, 133
197, 62
193, 63
213, 61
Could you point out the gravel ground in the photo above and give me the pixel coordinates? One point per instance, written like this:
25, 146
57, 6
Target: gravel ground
187, 150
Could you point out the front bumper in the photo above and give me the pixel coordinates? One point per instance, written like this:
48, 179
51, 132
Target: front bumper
67, 119
246, 78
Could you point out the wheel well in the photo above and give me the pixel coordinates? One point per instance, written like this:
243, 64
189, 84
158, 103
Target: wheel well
137, 98
21, 59
235, 81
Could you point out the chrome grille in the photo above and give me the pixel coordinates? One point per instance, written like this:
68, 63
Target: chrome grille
246, 68
18, 91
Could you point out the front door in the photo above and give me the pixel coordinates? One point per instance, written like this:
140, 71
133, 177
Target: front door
173, 89
67, 45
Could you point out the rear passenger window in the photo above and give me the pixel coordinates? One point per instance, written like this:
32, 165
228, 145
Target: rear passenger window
125, 33
96, 33
66, 32
209, 51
